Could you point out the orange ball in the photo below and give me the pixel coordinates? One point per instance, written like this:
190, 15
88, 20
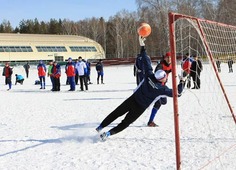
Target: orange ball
144, 30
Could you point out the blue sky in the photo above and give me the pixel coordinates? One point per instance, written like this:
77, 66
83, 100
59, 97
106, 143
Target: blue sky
75, 10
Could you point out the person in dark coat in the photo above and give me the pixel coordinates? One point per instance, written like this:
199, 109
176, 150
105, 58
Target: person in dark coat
149, 90
76, 72
100, 72
7, 72
27, 67
230, 65
56, 74
218, 62
195, 72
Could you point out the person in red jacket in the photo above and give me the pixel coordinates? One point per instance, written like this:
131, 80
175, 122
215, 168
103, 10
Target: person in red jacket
70, 72
42, 73
7, 72
186, 68
165, 64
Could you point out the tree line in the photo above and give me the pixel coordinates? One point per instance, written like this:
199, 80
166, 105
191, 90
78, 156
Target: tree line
118, 35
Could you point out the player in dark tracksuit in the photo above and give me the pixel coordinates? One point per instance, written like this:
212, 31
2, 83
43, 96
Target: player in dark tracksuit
165, 64
148, 91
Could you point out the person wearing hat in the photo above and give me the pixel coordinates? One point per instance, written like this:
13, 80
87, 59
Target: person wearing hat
42, 73
165, 64
70, 72
149, 90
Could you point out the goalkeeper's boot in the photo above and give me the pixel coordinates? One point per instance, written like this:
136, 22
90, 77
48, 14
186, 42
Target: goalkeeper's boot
99, 128
152, 124
105, 135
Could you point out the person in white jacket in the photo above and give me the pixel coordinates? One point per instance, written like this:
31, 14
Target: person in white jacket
82, 69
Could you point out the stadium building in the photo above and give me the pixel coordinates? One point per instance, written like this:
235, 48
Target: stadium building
46, 47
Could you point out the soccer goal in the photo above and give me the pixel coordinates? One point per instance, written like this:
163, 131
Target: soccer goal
205, 122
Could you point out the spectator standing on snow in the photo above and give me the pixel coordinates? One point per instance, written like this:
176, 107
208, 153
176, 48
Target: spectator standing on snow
218, 62
82, 69
76, 73
7, 72
88, 65
50, 72
42, 73
27, 67
56, 74
70, 73
100, 72
230, 65
186, 65
196, 68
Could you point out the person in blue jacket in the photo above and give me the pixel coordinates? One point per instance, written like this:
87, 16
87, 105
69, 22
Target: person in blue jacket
19, 79
151, 89
100, 72
88, 64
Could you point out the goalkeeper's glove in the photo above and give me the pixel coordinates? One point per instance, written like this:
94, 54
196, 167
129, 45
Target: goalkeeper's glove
141, 40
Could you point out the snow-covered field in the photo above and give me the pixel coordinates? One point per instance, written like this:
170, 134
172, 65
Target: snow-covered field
45, 130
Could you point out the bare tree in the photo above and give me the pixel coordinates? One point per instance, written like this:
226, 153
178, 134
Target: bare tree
67, 27
227, 12
6, 27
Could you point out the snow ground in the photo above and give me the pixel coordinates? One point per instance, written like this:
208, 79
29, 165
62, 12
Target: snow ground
47, 130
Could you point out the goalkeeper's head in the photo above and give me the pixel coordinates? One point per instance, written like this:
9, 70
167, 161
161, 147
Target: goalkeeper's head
161, 75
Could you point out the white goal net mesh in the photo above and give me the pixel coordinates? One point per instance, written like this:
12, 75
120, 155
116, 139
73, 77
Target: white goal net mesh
207, 125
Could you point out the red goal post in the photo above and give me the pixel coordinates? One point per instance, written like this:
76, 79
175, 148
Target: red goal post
213, 45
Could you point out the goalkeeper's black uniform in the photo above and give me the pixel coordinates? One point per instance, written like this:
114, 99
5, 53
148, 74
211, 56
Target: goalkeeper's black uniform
149, 90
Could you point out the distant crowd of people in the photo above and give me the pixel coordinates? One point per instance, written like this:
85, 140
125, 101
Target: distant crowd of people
230, 65
78, 70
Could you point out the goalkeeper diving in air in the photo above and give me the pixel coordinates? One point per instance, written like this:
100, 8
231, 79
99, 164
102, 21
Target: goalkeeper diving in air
151, 89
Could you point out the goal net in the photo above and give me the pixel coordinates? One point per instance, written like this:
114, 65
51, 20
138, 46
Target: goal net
205, 122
